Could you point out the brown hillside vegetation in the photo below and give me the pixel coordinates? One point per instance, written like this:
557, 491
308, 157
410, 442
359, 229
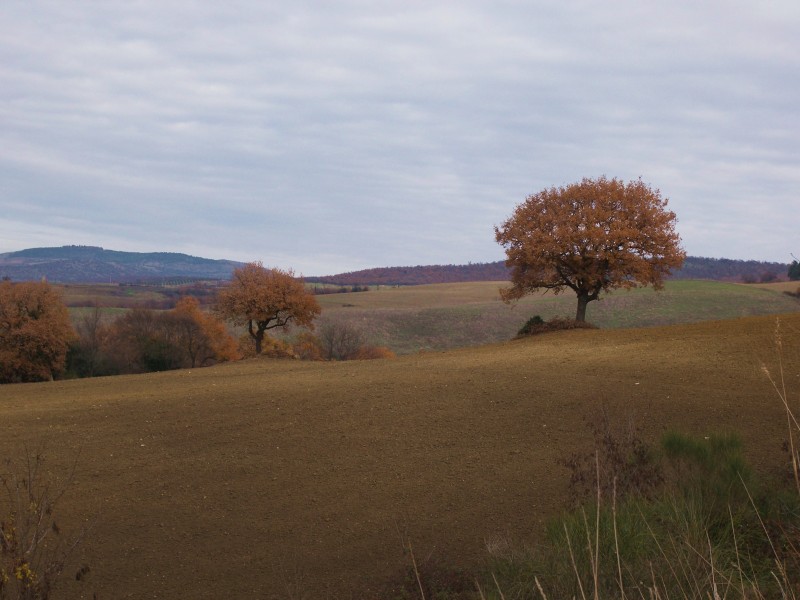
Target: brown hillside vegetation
281, 479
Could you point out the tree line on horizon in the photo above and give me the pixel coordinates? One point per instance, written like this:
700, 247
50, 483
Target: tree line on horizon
694, 267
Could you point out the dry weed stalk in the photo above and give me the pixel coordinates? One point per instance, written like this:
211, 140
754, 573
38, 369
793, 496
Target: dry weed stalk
779, 386
33, 552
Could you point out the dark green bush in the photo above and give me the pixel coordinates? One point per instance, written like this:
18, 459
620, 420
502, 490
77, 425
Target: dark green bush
531, 325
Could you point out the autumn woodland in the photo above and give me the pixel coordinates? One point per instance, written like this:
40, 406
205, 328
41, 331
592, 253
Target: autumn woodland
578, 421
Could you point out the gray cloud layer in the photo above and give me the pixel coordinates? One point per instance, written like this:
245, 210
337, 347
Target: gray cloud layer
335, 136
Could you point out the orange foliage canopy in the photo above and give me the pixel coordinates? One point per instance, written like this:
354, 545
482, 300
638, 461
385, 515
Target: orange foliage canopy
263, 299
203, 337
35, 332
592, 236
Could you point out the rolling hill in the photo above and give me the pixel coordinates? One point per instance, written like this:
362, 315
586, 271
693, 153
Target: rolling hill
695, 267
90, 264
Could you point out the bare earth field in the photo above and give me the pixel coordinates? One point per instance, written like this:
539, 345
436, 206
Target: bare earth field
287, 479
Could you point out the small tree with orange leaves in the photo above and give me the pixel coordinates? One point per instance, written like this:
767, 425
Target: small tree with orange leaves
201, 336
35, 332
262, 299
593, 236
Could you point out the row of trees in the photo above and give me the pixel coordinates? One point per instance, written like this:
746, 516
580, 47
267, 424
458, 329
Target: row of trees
38, 341
144, 340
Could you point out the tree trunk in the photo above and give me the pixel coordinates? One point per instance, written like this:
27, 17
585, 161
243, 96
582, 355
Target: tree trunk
583, 300
257, 333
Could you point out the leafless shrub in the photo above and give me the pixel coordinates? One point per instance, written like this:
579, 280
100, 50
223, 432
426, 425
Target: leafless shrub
34, 551
340, 340
621, 462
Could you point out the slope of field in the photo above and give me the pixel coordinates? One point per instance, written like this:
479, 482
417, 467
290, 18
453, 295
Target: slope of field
285, 479
781, 286
445, 316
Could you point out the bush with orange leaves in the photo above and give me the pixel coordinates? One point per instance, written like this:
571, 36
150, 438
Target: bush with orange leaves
374, 352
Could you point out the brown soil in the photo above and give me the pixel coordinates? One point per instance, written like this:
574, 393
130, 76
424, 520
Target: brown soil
284, 479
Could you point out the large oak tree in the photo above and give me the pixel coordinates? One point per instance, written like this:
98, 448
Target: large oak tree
262, 299
592, 236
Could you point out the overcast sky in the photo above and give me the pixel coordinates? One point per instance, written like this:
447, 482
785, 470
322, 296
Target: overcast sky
335, 136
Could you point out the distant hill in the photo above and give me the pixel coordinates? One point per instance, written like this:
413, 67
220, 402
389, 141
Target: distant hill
495, 271
91, 264
721, 269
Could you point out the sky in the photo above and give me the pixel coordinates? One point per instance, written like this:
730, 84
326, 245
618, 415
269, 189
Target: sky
335, 136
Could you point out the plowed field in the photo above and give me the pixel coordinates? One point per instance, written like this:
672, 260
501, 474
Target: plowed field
286, 479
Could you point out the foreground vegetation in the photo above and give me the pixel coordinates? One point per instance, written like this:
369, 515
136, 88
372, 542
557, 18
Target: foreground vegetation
689, 521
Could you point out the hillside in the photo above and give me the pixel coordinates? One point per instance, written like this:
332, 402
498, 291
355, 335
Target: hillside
89, 264
288, 479
695, 267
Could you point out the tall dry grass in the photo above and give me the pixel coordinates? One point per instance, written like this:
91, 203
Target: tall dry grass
712, 531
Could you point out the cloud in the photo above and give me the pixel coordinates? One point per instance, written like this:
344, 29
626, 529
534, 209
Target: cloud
359, 134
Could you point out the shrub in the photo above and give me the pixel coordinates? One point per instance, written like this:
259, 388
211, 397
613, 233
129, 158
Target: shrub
532, 325
374, 352
340, 340
713, 468
306, 346
275, 348
709, 524
245, 346
625, 464
34, 552
271, 347
536, 325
